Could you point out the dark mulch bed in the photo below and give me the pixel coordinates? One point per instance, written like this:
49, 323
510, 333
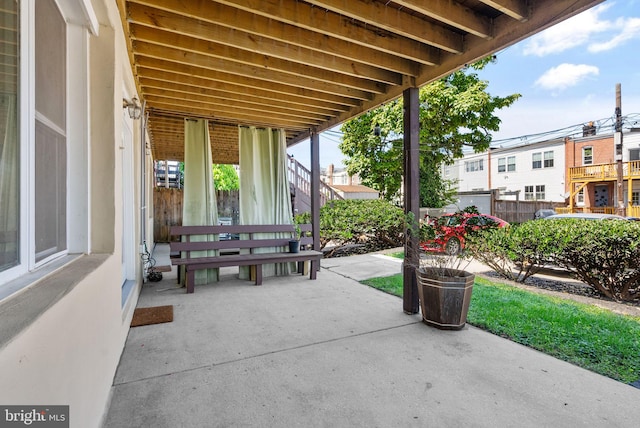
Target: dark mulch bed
564, 285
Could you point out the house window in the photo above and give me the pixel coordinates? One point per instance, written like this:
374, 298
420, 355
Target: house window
50, 136
10, 214
511, 163
473, 166
587, 156
528, 193
536, 160
534, 193
635, 198
37, 200
548, 159
580, 197
634, 154
502, 164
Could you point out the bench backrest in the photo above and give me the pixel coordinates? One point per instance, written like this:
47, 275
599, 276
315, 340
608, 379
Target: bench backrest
198, 238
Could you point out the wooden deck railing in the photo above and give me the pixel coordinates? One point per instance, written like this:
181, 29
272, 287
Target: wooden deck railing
605, 172
300, 177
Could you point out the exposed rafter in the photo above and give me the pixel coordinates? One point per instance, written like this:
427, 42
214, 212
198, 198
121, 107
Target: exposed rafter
305, 65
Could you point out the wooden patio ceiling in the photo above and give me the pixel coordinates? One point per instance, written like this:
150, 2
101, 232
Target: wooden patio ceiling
306, 65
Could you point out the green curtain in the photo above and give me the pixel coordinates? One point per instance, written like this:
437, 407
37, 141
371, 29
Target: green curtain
264, 186
199, 196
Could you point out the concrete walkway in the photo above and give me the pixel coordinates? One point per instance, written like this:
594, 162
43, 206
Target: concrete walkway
335, 353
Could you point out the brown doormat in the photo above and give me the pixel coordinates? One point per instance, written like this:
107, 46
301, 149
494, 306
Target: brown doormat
153, 315
163, 268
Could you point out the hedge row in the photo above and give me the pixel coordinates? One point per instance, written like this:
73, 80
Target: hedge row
359, 226
603, 254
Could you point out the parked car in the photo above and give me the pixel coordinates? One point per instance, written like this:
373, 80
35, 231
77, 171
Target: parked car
451, 229
588, 216
543, 213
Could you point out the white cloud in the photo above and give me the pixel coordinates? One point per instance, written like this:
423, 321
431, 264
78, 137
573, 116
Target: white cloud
589, 29
568, 34
630, 29
566, 75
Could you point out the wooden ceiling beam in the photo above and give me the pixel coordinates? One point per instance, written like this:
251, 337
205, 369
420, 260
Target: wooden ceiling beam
230, 115
319, 90
237, 28
453, 14
331, 24
517, 9
156, 96
158, 87
237, 73
184, 52
397, 21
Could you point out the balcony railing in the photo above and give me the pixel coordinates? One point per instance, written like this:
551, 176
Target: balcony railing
605, 172
630, 210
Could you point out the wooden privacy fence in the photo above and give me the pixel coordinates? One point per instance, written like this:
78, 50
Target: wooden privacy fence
520, 211
167, 210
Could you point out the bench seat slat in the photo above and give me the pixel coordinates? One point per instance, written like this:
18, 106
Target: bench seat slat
248, 259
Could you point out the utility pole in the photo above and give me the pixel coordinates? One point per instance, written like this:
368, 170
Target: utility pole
617, 140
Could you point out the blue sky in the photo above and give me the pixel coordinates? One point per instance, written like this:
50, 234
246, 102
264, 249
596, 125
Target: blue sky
567, 76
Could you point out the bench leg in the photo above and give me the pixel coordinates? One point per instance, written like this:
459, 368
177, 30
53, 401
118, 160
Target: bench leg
191, 280
258, 274
313, 270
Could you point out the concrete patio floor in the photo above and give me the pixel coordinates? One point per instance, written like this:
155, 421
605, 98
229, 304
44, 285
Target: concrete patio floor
335, 353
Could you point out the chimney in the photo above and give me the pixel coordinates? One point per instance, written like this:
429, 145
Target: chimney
588, 129
350, 180
330, 174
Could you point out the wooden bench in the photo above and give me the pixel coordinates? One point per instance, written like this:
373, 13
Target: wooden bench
251, 237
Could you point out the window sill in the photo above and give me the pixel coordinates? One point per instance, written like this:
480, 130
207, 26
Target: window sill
42, 289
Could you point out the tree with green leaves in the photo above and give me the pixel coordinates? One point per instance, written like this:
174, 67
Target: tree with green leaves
225, 177
456, 112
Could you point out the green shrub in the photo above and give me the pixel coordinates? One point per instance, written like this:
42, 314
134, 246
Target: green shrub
603, 254
363, 225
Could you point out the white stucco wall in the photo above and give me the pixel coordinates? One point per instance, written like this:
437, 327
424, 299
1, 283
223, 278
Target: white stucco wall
68, 356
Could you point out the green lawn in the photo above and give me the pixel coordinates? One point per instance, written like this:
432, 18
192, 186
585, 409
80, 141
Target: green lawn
587, 336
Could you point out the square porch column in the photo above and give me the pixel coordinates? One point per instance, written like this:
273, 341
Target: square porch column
411, 197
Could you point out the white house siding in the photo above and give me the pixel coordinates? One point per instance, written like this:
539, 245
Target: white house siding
470, 180
62, 336
553, 178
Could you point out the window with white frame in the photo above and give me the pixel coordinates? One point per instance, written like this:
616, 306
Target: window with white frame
37, 198
580, 197
534, 193
587, 156
473, 166
528, 193
502, 164
548, 159
536, 160
511, 163
634, 154
51, 136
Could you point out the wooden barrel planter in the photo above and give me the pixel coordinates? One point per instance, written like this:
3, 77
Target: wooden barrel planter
445, 295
